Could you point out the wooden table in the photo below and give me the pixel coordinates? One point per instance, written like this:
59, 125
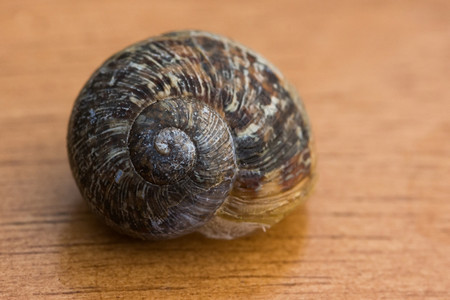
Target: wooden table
375, 78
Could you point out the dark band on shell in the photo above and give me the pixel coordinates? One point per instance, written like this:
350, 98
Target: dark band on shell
190, 131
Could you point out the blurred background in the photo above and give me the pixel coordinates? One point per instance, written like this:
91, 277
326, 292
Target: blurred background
374, 76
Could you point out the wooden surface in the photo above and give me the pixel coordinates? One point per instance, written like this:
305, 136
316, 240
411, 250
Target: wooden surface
375, 80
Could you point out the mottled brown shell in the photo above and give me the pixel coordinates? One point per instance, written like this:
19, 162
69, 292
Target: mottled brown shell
190, 131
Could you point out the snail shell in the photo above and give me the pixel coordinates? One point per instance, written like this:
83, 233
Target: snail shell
190, 131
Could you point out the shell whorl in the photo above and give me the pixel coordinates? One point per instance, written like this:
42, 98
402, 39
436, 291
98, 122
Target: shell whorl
189, 131
171, 139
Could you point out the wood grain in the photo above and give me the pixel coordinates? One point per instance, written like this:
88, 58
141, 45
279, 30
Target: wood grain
375, 78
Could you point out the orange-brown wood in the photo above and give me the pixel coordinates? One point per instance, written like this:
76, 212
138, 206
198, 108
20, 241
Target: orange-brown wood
374, 76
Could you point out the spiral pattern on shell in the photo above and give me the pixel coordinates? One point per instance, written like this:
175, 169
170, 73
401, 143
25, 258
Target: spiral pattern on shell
190, 131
